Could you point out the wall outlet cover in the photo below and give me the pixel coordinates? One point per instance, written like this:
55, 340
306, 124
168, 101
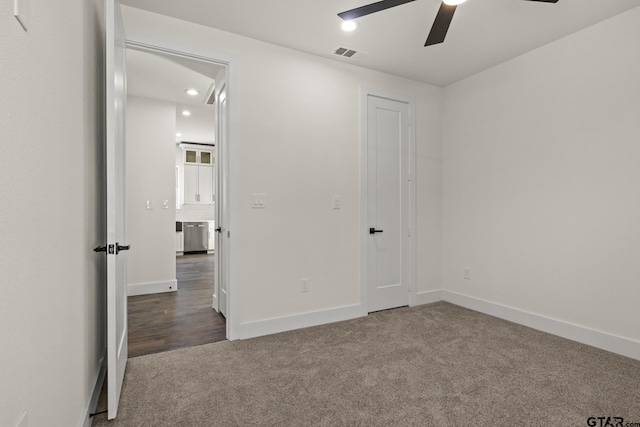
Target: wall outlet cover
337, 202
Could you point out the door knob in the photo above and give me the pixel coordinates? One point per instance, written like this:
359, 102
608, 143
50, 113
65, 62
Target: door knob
374, 231
219, 230
122, 248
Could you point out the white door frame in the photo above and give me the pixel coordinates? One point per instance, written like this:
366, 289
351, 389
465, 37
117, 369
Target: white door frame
365, 92
203, 53
222, 211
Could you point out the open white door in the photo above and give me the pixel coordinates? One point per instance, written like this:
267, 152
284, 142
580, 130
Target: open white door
116, 233
222, 204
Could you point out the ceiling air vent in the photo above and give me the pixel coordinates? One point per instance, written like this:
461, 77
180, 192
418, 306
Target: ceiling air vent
345, 52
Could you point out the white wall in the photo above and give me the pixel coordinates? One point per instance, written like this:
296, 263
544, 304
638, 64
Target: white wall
151, 129
52, 287
541, 173
299, 144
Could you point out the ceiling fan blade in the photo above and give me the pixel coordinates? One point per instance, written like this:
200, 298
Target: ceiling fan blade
546, 1
371, 8
441, 24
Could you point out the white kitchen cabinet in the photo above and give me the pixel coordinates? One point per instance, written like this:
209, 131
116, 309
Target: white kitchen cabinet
205, 185
212, 236
198, 156
191, 188
199, 171
179, 242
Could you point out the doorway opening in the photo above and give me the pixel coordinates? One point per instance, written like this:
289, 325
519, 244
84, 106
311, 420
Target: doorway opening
174, 171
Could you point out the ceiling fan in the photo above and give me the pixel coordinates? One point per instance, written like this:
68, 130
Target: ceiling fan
440, 25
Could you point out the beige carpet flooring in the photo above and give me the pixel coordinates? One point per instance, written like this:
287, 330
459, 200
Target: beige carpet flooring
432, 365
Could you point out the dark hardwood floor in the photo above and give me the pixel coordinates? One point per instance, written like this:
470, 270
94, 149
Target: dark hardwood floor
168, 321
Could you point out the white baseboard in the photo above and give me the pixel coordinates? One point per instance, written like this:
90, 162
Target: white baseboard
152, 288
581, 334
426, 297
85, 419
298, 321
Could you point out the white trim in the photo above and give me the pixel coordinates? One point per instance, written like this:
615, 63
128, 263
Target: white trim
364, 202
426, 297
92, 404
581, 334
298, 321
214, 303
365, 92
152, 288
202, 52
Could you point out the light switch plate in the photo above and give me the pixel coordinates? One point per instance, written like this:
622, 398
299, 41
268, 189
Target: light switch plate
258, 200
21, 12
149, 205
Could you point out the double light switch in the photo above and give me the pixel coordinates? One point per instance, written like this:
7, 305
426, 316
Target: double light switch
258, 200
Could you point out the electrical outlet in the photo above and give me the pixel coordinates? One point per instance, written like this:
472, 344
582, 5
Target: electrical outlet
467, 273
337, 203
305, 285
165, 204
149, 205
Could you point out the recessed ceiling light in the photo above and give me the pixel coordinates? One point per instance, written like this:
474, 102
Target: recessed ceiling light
186, 113
349, 25
192, 92
453, 2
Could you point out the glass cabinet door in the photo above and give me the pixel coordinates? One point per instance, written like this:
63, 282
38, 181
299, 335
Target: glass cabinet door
205, 158
191, 156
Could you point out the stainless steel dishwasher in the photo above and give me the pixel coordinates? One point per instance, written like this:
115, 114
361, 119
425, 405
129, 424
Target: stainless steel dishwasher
196, 237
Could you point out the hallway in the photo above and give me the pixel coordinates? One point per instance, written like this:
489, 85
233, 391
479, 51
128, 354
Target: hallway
169, 321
